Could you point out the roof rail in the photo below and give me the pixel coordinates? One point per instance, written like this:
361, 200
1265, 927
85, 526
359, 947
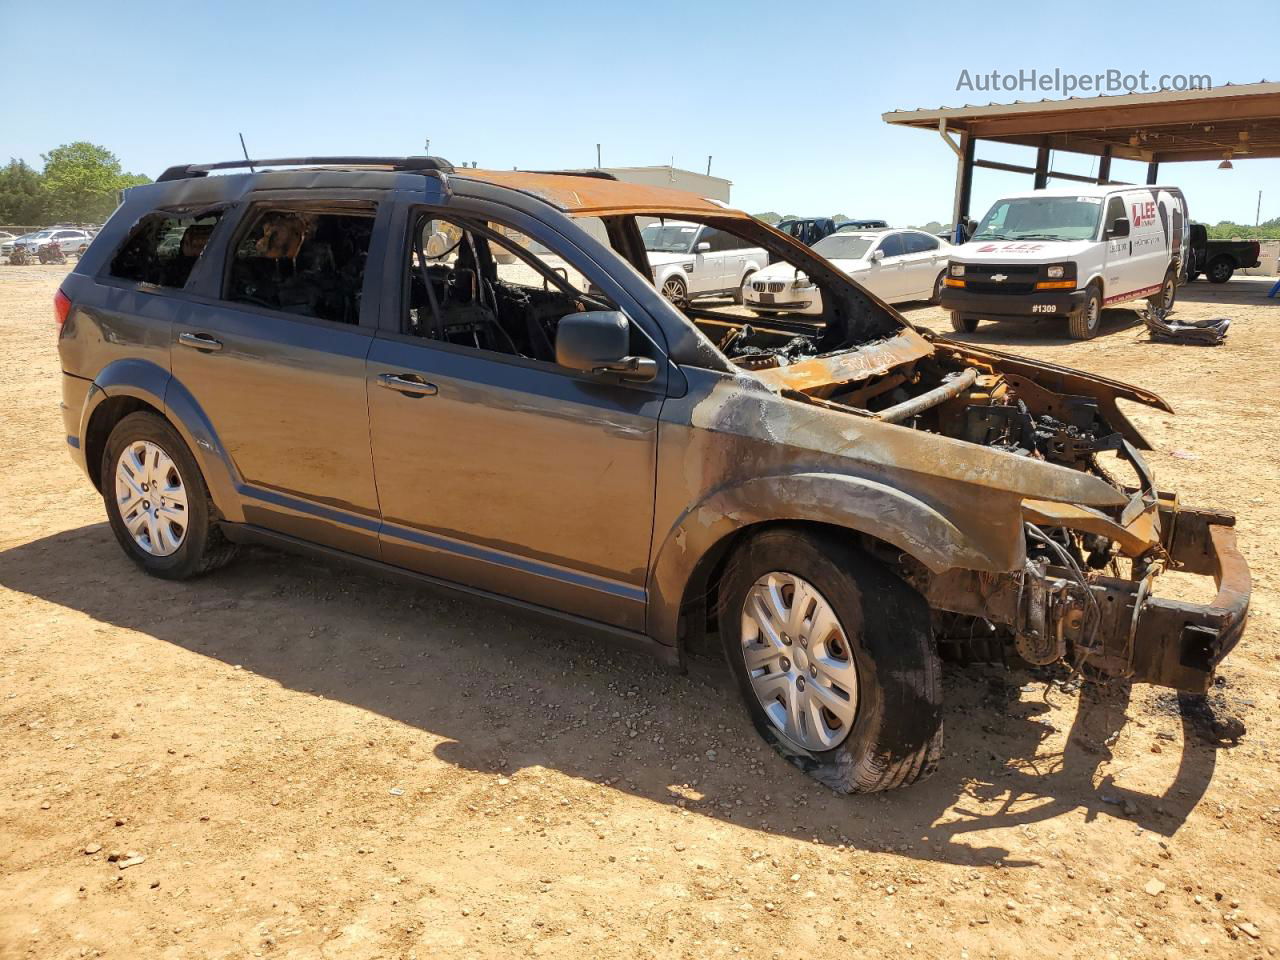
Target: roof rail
597, 174
186, 171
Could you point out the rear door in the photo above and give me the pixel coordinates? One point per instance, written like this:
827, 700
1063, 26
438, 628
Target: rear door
274, 354
921, 264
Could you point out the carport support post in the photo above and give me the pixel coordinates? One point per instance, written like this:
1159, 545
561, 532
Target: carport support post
1153, 173
964, 187
1104, 166
1042, 165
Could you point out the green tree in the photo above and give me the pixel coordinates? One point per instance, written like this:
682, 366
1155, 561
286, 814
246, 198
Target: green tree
22, 201
81, 181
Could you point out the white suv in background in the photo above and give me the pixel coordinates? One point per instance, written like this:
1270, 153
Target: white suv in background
71, 241
896, 265
690, 260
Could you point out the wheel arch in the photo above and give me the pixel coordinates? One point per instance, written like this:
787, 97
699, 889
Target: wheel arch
691, 558
133, 385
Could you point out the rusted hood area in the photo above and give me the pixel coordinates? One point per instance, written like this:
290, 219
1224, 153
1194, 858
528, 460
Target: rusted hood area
1056, 378
850, 366
587, 196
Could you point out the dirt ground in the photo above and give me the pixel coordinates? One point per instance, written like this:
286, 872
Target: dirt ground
290, 759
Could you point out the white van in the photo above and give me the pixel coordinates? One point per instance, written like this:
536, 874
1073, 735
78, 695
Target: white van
1068, 253
692, 260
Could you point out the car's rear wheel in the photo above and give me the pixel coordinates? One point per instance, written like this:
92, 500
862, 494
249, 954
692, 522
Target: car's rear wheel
937, 289
1220, 270
674, 289
849, 691
1084, 323
962, 324
1164, 300
157, 501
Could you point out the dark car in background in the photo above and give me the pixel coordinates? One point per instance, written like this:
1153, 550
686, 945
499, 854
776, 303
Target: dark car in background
1219, 259
812, 229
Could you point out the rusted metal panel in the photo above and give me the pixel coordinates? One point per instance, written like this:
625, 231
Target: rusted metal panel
1134, 539
584, 196
850, 366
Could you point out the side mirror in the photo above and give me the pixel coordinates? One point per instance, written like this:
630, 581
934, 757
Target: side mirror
597, 342
1119, 228
702, 246
877, 256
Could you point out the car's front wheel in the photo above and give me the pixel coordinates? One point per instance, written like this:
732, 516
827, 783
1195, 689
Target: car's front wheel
674, 289
962, 324
157, 502
1085, 323
834, 658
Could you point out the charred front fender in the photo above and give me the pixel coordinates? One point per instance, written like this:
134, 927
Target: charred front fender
988, 541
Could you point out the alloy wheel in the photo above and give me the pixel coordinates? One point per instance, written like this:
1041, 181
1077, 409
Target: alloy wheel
673, 290
799, 661
151, 498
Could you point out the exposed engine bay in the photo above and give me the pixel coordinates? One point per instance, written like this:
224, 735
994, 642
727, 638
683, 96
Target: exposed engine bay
1085, 594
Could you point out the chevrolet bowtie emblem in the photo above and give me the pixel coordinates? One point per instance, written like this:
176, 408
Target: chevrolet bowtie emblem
999, 277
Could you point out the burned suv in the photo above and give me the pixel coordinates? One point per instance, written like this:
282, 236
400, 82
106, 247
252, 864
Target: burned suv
468, 377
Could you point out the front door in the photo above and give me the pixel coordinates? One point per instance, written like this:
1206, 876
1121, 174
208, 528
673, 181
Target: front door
885, 278
275, 358
1120, 275
496, 468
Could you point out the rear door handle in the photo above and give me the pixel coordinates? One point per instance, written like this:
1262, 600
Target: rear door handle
409, 384
200, 341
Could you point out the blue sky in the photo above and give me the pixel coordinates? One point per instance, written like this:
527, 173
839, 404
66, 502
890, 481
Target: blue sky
786, 97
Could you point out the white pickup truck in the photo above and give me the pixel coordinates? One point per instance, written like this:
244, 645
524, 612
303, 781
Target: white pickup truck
692, 260
1068, 253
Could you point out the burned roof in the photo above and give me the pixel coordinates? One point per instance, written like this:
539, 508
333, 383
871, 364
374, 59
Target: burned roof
578, 193
587, 195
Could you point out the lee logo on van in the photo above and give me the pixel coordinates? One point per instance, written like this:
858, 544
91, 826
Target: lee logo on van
1143, 213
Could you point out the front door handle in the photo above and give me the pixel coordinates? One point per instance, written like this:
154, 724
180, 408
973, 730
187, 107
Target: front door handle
409, 384
200, 341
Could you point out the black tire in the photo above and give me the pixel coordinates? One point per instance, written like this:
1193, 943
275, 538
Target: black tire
1168, 294
1085, 323
1220, 270
737, 293
203, 547
1193, 276
895, 738
963, 324
937, 289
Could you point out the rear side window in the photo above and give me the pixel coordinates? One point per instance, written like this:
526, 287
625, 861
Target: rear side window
304, 262
918, 243
164, 247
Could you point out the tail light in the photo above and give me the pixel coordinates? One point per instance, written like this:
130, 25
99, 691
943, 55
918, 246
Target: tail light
61, 307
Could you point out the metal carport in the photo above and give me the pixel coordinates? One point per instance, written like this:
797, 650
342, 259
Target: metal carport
1233, 121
